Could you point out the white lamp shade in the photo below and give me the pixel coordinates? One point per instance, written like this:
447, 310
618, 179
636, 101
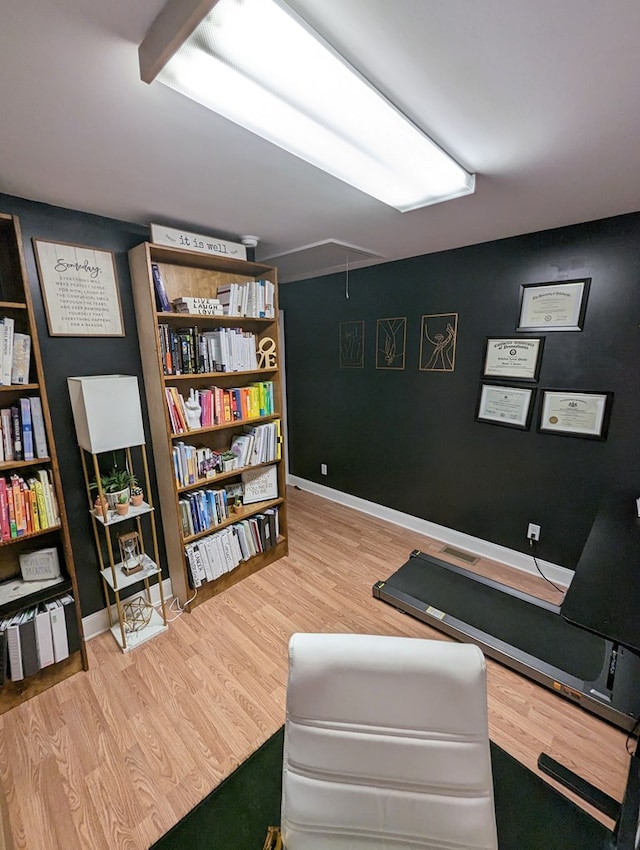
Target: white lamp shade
106, 411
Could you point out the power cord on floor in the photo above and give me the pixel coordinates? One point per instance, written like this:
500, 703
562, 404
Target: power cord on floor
535, 561
177, 609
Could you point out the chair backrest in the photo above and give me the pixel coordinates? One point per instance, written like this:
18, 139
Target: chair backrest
386, 745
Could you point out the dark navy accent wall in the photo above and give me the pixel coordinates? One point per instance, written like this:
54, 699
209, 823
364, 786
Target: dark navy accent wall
408, 440
66, 356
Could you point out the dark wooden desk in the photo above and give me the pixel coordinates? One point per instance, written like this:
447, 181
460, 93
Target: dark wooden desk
604, 596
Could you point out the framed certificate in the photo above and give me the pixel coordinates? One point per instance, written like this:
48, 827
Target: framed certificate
517, 359
575, 414
555, 306
503, 405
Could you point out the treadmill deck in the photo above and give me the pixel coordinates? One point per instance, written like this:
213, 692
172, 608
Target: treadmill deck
521, 631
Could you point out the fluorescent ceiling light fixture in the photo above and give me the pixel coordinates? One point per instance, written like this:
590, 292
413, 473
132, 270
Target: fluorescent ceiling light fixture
260, 65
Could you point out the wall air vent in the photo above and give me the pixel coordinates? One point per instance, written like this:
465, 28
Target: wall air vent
462, 556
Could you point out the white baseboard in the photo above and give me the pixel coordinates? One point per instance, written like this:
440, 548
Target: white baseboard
510, 557
98, 622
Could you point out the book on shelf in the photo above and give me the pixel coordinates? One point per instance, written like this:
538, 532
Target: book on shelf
23, 431
37, 422
39, 635
253, 299
28, 646
19, 506
177, 411
14, 648
23, 506
190, 350
4, 659
6, 422
44, 638
5, 526
59, 635
272, 516
20, 358
213, 556
16, 427
7, 330
26, 426
162, 300
198, 306
265, 529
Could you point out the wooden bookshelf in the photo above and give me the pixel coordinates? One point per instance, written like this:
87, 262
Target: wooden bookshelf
16, 303
186, 273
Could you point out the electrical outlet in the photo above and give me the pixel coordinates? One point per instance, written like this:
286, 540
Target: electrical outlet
323, 469
533, 532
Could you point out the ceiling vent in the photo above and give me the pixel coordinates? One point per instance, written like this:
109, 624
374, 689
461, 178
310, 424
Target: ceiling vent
320, 258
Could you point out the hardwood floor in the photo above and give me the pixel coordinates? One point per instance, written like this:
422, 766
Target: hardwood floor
113, 757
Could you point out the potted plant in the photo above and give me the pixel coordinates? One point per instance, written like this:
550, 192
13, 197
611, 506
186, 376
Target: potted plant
122, 505
101, 506
136, 496
116, 483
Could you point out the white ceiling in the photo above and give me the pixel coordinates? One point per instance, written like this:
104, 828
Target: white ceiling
541, 98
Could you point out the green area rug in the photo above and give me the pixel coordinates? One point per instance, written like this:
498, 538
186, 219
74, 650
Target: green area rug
235, 816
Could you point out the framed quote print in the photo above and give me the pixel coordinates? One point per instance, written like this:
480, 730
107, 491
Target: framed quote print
79, 289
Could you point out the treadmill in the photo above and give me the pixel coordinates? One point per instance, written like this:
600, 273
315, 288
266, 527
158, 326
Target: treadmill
521, 631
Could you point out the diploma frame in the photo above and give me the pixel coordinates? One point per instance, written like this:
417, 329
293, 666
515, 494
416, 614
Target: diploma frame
498, 350
553, 419
575, 291
519, 399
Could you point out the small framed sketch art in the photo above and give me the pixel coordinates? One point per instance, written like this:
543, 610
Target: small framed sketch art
555, 306
504, 405
391, 341
351, 345
438, 339
513, 359
575, 413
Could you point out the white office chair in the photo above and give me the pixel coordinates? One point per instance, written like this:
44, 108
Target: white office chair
386, 745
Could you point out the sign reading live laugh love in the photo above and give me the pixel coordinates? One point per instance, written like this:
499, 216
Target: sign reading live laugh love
79, 289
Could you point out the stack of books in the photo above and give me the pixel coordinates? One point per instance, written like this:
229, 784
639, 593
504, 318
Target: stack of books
254, 298
23, 432
221, 552
37, 637
199, 306
27, 505
15, 353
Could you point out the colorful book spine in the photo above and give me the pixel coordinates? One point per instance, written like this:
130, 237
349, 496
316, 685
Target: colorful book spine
13, 528
42, 505
5, 529
27, 429
162, 300
17, 433
18, 506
